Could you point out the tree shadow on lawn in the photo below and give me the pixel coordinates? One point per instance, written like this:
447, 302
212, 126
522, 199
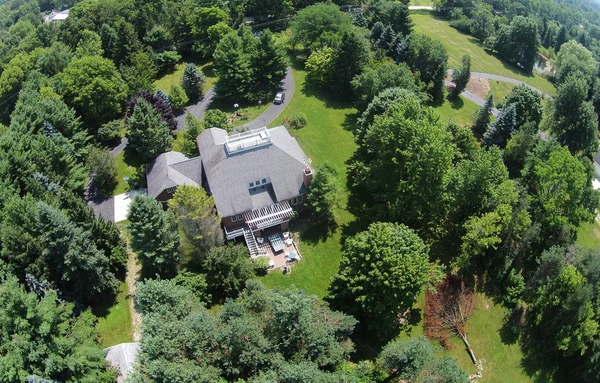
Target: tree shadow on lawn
351, 122
131, 158
368, 345
313, 231
330, 100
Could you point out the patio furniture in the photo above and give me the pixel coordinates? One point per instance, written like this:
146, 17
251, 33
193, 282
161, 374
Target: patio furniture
289, 242
293, 256
286, 235
276, 242
260, 240
271, 263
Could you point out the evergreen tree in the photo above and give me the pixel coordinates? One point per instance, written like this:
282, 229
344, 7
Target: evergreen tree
147, 133
500, 130
192, 82
561, 38
348, 61
178, 97
154, 237
324, 194
45, 338
77, 267
461, 76
377, 31
269, 65
482, 120
193, 128
233, 68
386, 39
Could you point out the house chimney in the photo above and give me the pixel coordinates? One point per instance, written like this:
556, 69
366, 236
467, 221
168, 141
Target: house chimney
308, 175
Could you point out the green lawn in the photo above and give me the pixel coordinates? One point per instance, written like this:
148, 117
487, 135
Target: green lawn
501, 362
174, 78
421, 2
114, 323
459, 44
500, 89
325, 140
123, 170
589, 235
459, 110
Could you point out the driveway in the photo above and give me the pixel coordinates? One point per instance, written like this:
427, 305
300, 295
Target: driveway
273, 111
198, 109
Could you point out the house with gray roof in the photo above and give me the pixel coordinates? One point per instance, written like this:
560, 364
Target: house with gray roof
258, 178
169, 170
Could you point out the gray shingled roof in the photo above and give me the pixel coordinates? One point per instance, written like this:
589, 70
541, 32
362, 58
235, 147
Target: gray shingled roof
172, 169
228, 176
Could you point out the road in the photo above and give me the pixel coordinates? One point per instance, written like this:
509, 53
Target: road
506, 79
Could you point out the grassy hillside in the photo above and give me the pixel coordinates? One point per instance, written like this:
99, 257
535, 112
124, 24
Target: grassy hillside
459, 44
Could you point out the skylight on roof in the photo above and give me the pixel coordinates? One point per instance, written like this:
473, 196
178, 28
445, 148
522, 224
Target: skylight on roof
248, 140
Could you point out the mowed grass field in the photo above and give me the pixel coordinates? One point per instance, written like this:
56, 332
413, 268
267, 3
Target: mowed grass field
500, 89
459, 44
324, 140
459, 110
114, 323
589, 235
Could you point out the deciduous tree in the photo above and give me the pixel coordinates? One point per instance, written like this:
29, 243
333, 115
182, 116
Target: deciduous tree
528, 105
103, 172
428, 57
227, 269
197, 215
389, 176
93, 86
383, 270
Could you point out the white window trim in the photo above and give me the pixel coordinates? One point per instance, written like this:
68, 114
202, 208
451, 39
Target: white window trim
235, 218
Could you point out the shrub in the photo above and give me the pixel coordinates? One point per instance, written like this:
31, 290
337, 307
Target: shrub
295, 121
166, 60
109, 133
260, 265
177, 97
192, 82
216, 118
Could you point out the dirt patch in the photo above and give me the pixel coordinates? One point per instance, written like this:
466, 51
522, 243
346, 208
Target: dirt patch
479, 87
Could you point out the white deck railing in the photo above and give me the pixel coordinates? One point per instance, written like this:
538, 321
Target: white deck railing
269, 216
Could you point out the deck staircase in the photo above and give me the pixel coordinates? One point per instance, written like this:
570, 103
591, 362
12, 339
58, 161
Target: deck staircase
251, 242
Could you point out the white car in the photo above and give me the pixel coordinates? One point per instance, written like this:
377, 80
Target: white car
279, 98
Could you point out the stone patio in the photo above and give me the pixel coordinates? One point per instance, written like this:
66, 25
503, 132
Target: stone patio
280, 258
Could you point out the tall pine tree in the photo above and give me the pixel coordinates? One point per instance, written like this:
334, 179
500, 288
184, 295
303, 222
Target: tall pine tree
499, 132
154, 237
233, 68
268, 66
482, 120
148, 134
